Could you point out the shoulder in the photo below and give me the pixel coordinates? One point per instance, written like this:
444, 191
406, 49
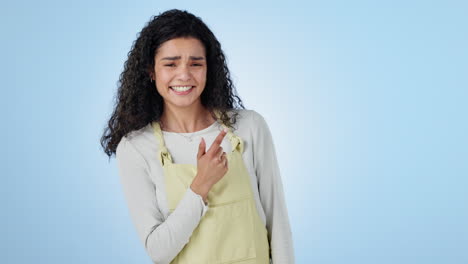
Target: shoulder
252, 119
251, 124
247, 117
136, 141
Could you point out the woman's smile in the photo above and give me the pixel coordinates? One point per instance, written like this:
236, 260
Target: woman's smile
181, 90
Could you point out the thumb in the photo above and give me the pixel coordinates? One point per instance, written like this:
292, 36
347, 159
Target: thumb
201, 148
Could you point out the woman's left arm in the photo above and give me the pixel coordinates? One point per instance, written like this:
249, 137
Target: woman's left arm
271, 193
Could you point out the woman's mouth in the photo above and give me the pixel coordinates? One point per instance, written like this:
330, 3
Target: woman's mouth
181, 90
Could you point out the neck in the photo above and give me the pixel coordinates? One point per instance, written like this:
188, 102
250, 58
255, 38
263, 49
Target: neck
185, 120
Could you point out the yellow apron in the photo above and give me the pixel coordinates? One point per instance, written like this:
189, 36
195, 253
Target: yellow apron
231, 231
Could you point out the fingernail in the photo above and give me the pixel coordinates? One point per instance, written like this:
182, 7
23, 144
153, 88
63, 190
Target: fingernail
225, 130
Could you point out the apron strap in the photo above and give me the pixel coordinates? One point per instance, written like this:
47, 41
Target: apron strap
236, 142
163, 154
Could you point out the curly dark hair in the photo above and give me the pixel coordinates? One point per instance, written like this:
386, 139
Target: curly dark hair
138, 102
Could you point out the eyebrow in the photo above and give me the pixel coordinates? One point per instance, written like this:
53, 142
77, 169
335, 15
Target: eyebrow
178, 57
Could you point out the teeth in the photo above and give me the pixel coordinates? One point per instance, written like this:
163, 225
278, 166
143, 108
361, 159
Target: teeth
181, 88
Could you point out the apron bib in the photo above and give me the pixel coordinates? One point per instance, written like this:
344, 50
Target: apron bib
231, 231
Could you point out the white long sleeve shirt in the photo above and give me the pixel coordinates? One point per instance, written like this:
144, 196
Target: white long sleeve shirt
164, 234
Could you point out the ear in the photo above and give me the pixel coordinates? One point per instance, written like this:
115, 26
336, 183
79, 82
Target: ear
151, 74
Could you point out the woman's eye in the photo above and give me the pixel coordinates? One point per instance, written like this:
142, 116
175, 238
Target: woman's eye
172, 64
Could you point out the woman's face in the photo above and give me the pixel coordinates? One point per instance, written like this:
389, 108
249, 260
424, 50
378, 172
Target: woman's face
180, 62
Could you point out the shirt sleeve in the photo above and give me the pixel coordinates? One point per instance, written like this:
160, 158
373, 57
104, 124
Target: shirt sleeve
271, 193
162, 239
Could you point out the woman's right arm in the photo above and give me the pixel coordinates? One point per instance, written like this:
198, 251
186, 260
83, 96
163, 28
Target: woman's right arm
162, 239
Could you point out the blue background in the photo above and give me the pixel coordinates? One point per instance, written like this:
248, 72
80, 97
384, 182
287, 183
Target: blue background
366, 101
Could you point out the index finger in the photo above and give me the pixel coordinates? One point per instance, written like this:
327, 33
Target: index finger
217, 142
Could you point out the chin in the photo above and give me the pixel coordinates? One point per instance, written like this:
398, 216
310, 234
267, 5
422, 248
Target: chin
183, 103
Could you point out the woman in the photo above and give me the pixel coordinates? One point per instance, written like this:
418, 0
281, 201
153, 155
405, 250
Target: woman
198, 170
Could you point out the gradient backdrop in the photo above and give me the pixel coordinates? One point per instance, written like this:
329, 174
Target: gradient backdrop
367, 103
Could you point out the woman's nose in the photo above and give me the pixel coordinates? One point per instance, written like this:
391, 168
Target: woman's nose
184, 72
